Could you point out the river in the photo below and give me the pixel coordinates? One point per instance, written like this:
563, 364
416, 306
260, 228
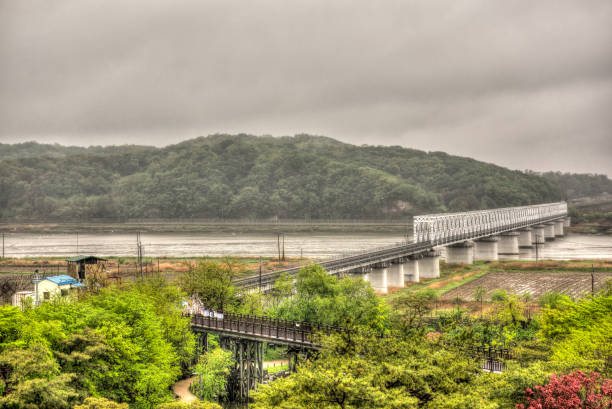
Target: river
310, 245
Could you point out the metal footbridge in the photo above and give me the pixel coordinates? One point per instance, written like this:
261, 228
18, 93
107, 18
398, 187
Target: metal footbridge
260, 328
430, 231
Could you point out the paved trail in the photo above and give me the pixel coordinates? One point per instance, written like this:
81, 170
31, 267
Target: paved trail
181, 389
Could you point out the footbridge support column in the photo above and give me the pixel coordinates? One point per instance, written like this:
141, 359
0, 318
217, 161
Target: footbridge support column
508, 243
429, 265
461, 253
568, 222
538, 236
377, 277
248, 366
559, 228
411, 269
525, 239
486, 249
549, 231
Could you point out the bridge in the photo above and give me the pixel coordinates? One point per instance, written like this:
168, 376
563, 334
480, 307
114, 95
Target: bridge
244, 335
466, 236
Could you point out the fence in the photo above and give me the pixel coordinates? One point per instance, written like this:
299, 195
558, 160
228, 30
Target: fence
265, 327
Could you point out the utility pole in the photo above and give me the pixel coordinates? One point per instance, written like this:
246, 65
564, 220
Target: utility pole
2, 245
77, 252
278, 246
139, 246
283, 246
259, 273
537, 243
592, 279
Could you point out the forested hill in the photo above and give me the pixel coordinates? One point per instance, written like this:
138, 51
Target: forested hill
240, 176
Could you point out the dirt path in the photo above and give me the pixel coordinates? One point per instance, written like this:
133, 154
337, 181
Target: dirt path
278, 362
181, 389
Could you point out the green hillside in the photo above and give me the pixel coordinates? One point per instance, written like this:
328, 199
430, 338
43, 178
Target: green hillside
242, 176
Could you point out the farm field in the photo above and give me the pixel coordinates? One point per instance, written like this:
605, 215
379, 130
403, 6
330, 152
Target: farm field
574, 284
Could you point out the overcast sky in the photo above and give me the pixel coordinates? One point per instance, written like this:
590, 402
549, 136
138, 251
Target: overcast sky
521, 83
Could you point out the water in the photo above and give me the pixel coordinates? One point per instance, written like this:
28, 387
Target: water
311, 245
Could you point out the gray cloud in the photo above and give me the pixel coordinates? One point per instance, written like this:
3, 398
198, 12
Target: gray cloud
524, 84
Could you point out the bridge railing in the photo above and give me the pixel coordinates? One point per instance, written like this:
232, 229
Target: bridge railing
300, 332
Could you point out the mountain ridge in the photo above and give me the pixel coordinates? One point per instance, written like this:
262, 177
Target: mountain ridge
246, 176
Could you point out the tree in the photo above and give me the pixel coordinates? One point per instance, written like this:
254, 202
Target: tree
322, 298
283, 288
30, 377
101, 403
211, 282
192, 405
479, 293
414, 306
214, 367
370, 372
574, 391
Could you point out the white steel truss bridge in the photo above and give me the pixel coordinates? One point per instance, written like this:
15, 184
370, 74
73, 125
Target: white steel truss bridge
448, 228
430, 231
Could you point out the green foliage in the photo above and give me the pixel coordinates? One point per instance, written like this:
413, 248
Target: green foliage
581, 331
553, 300
214, 366
575, 185
242, 176
211, 282
479, 293
192, 405
323, 298
101, 403
499, 295
124, 345
370, 372
412, 307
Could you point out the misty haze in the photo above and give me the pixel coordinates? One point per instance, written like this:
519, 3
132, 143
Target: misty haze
307, 204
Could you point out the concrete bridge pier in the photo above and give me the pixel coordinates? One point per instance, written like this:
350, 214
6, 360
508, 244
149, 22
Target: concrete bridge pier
429, 265
411, 269
377, 277
538, 236
567, 222
461, 253
525, 240
559, 228
486, 249
549, 231
395, 275
508, 243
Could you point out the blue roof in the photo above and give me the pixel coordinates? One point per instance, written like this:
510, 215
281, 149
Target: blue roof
64, 280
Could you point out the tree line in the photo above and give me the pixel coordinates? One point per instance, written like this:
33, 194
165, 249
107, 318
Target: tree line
243, 176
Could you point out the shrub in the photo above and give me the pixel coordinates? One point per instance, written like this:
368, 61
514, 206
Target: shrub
574, 391
499, 295
552, 300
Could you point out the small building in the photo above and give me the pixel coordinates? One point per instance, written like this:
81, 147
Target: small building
84, 267
56, 285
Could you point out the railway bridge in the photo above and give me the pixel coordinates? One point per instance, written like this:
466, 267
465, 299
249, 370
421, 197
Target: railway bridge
467, 236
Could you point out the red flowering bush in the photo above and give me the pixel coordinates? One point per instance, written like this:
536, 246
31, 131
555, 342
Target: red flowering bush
574, 391
433, 336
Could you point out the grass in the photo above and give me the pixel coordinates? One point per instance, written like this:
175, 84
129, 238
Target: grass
242, 266
279, 368
552, 266
451, 276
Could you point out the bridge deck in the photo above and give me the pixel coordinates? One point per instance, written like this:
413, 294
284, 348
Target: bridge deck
290, 333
